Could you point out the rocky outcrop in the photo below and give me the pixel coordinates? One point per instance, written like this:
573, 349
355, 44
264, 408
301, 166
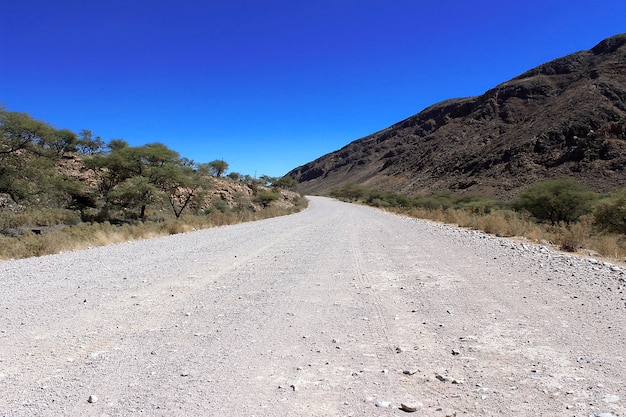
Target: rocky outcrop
564, 118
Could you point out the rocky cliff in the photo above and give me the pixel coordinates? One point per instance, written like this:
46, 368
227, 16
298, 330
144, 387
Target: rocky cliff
564, 118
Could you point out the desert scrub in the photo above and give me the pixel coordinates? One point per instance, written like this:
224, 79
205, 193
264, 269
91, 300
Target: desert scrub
571, 237
43, 217
265, 197
86, 235
559, 212
609, 245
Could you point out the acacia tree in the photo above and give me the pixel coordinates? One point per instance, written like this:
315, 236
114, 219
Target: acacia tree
29, 150
87, 144
286, 182
136, 177
135, 193
21, 132
62, 142
218, 167
559, 200
109, 167
186, 183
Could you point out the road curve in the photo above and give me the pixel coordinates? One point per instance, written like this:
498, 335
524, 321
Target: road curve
340, 310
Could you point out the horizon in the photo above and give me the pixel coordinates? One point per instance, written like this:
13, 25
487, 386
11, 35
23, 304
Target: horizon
271, 87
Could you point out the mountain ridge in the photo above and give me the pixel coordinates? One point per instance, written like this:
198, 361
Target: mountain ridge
566, 117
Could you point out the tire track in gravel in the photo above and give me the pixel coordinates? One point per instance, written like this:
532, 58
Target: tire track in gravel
267, 319
394, 348
151, 306
374, 305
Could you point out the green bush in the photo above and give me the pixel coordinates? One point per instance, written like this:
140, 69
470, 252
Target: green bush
437, 200
220, 205
41, 217
351, 192
560, 200
287, 183
265, 197
610, 213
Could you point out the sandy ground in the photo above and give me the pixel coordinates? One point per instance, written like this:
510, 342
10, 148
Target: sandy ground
339, 310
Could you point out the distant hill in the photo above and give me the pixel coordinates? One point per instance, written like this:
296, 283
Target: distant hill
563, 118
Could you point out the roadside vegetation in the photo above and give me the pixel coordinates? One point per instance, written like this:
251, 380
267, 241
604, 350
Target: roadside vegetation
559, 212
61, 191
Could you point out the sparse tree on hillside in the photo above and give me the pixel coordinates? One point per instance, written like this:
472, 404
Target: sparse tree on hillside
62, 142
141, 176
287, 183
267, 180
117, 144
28, 153
185, 185
135, 193
19, 131
265, 197
218, 167
87, 144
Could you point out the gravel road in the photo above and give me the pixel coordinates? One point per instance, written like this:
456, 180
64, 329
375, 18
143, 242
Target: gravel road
339, 310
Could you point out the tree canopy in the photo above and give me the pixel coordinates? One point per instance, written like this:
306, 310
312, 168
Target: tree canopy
218, 167
42, 167
559, 200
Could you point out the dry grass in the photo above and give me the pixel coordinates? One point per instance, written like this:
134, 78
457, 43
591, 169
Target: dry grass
43, 217
507, 223
81, 236
575, 236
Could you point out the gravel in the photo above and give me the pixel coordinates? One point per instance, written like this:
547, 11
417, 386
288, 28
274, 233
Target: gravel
300, 315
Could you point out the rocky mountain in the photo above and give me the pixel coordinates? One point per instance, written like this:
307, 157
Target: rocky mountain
563, 118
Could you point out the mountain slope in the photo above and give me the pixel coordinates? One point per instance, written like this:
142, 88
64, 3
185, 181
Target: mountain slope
563, 118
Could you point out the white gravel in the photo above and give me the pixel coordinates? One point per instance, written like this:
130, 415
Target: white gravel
320, 313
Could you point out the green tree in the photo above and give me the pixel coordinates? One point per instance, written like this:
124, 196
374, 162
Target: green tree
350, 192
559, 200
19, 132
117, 145
135, 193
267, 180
610, 213
87, 144
218, 167
111, 169
141, 176
29, 150
287, 183
265, 197
185, 184
63, 142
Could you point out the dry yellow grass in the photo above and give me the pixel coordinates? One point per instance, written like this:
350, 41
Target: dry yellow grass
82, 236
508, 223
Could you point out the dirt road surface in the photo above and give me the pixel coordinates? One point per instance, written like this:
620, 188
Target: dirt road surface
339, 310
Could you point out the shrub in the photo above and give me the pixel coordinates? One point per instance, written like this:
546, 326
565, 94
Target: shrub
477, 204
437, 200
220, 205
351, 192
300, 202
574, 236
265, 197
560, 200
287, 183
610, 214
40, 217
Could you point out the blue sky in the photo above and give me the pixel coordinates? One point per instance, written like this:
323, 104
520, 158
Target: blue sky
270, 85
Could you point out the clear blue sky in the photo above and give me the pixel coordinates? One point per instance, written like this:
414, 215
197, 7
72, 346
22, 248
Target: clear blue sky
269, 85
